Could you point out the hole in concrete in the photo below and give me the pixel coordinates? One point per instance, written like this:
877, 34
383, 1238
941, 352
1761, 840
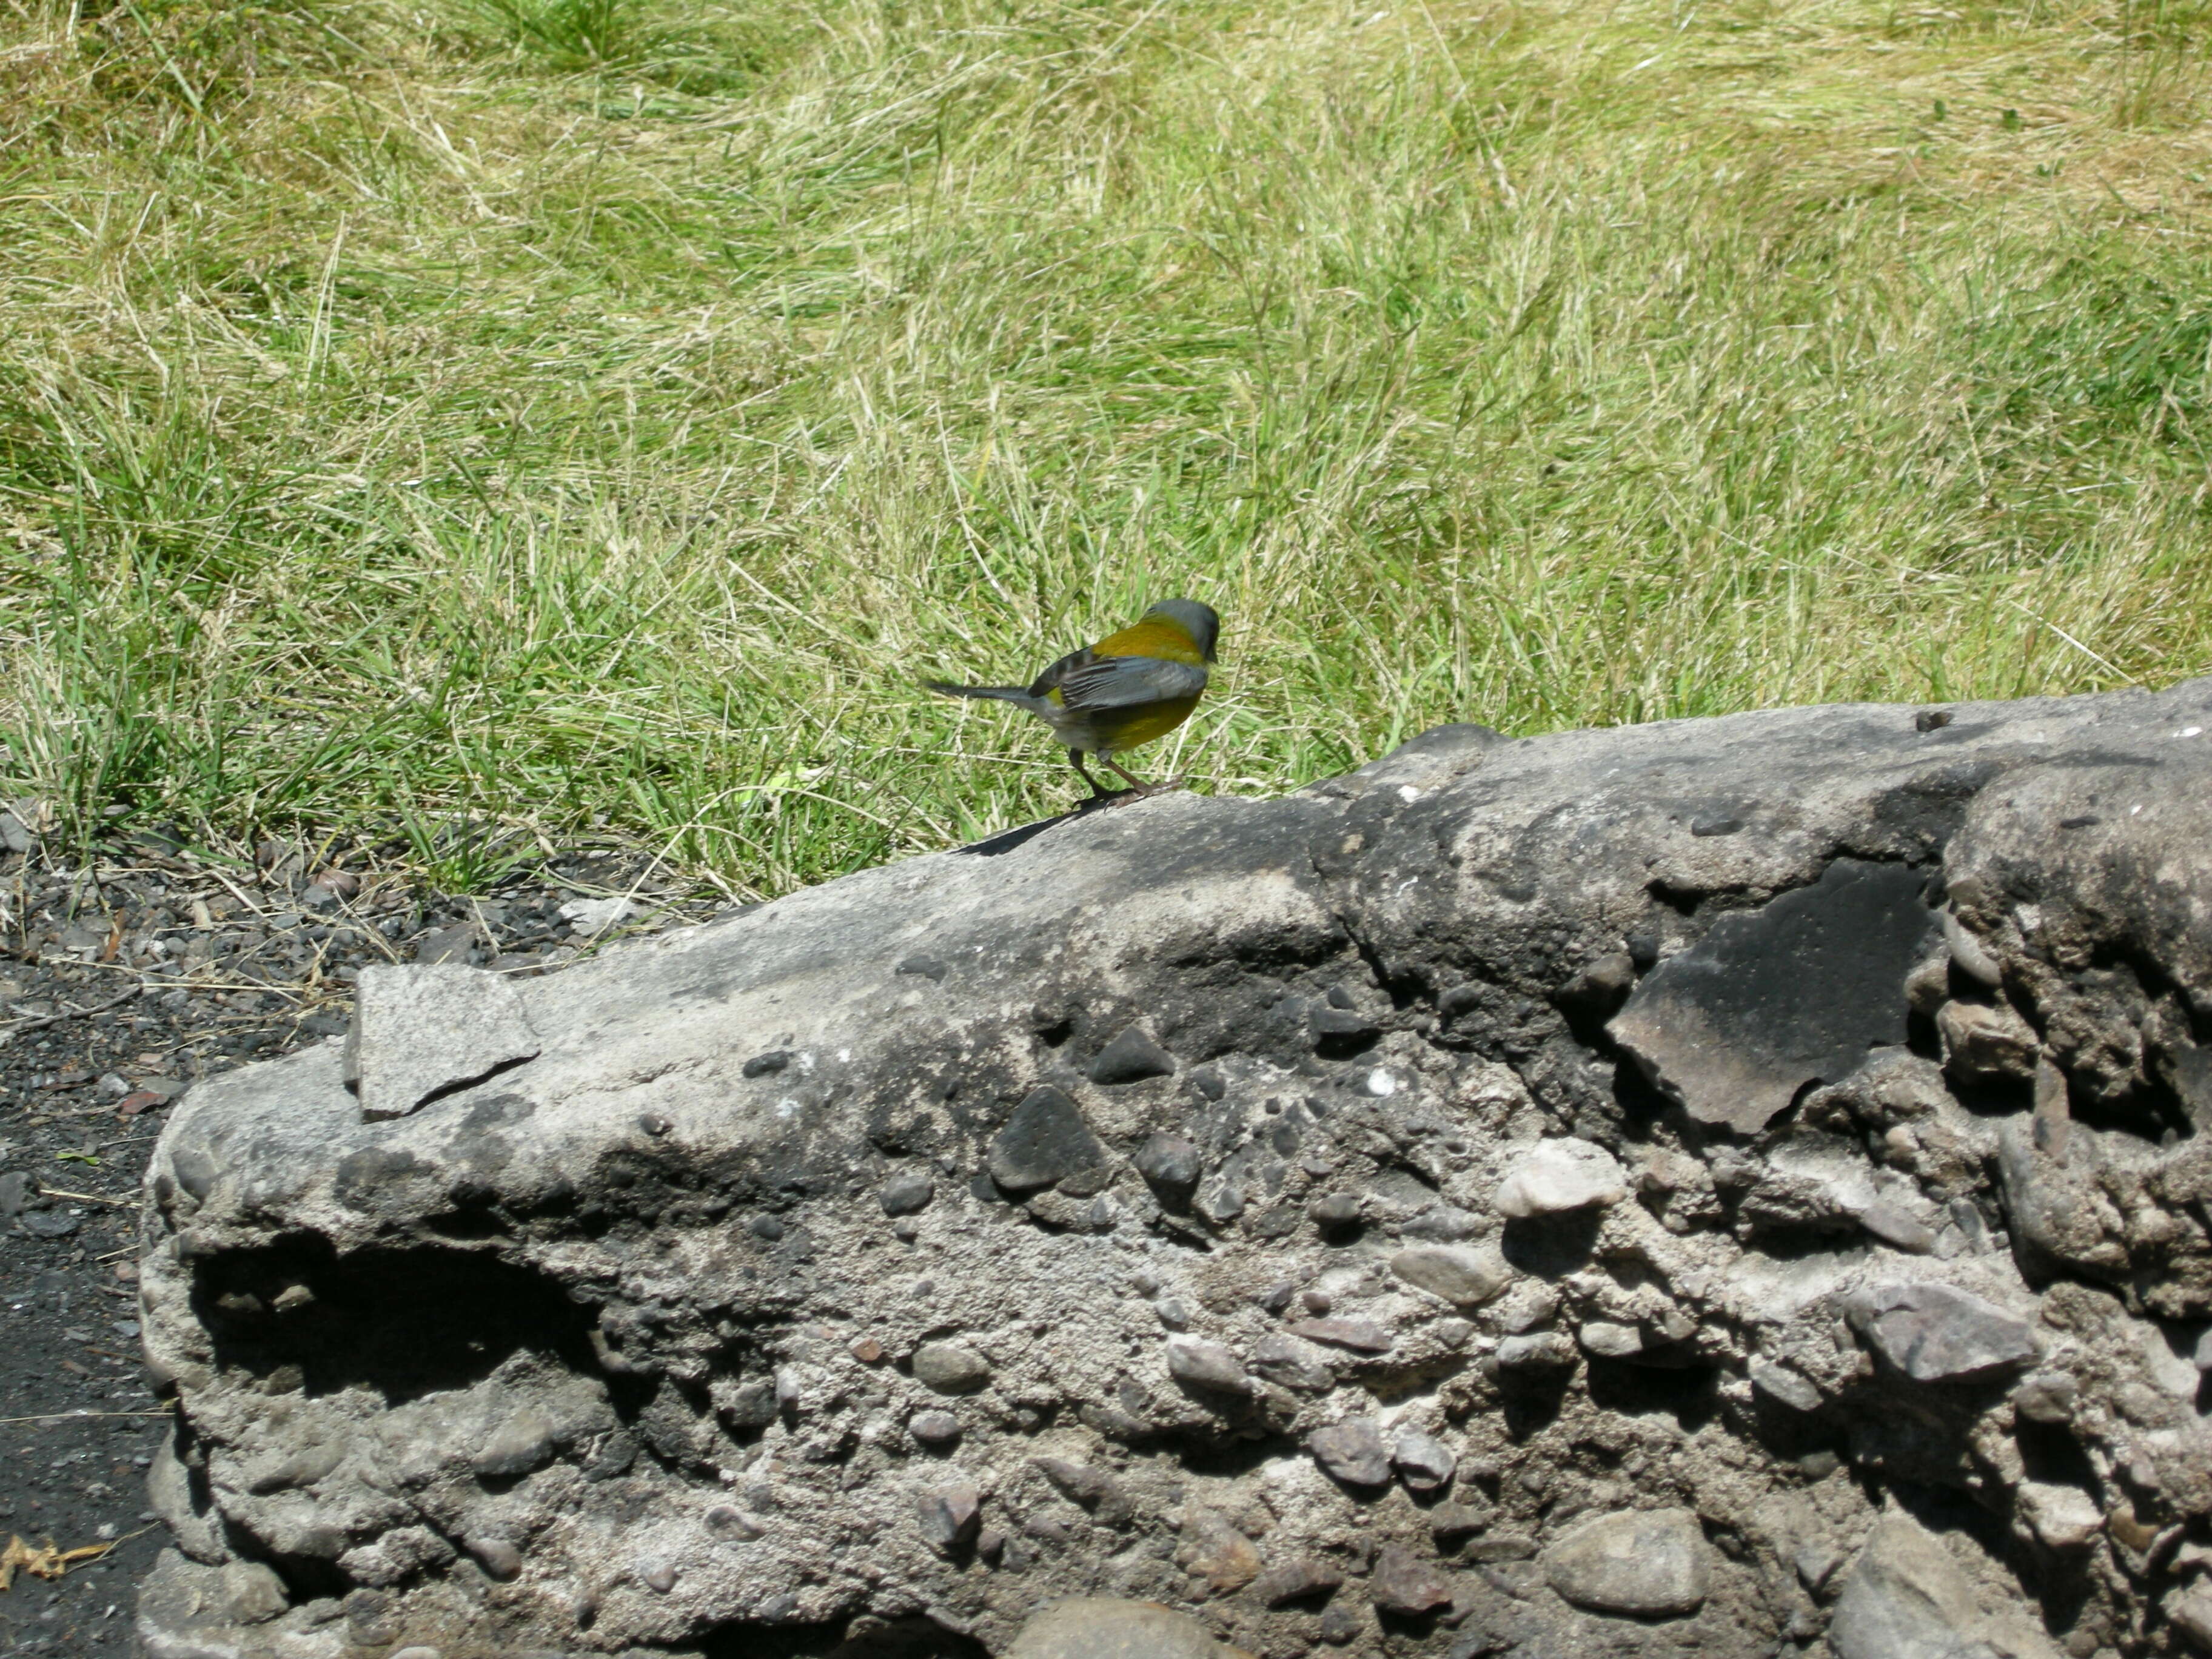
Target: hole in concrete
405, 1322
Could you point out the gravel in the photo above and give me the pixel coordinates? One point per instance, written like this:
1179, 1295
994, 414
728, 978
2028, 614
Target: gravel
122, 981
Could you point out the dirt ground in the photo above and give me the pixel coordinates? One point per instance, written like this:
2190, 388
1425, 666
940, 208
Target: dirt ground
122, 980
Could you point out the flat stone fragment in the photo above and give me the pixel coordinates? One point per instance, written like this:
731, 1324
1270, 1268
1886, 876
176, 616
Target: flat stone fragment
1773, 999
1359, 1335
1779, 1383
1423, 1462
1538, 1350
1045, 1141
1206, 1365
1212, 1549
1131, 1058
1405, 1584
420, 1031
1463, 1277
950, 1515
1644, 1563
1094, 1489
1939, 1333
1607, 1340
2064, 1518
1987, 1044
1558, 1176
1100, 1627
1293, 1362
1299, 1579
1906, 1598
1353, 1451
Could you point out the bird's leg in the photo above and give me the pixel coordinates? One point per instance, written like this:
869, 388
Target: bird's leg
1075, 759
1138, 783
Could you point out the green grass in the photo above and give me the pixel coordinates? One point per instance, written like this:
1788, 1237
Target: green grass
495, 419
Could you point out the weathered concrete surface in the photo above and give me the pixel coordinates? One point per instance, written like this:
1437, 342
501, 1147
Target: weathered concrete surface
1161, 1206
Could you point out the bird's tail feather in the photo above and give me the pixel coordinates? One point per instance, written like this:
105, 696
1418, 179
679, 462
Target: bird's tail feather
1004, 693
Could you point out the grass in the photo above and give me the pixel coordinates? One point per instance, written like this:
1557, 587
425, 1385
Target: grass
489, 423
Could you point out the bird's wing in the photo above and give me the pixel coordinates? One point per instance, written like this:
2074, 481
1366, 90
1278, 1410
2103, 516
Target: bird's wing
1053, 677
1124, 682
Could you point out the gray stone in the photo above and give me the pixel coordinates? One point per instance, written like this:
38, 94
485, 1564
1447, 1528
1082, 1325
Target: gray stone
1983, 1043
1780, 1383
1538, 1350
1168, 1162
949, 1368
2065, 1519
1465, 1278
1044, 1142
938, 1430
1894, 1224
1206, 1365
1644, 1563
2046, 1396
1423, 1462
531, 1234
16, 1189
1905, 1597
420, 1032
1451, 1524
253, 1594
1351, 1451
1560, 1175
1771, 1000
1936, 1332
1293, 1364
1094, 1489
1131, 1057
1408, 1584
1605, 1339
522, 1443
1096, 1627
950, 1514
1302, 1579
908, 1192
1359, 1335
49, 1224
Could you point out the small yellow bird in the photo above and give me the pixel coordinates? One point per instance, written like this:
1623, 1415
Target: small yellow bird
1128, 690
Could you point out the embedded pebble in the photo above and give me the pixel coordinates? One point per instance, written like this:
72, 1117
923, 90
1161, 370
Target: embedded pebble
950, 1515
1353, 1451
1406, 1584
1100, 1627
1559, 1176
1936, 1332
1360, 1335
1423, 1462
906, 1191
1299, 1579
1465, 1278
1206, 1365
1644, 1563
949, 1368
1170, 1162
935, 1430
1131, 1058
1293, 1364
1537, 1351
1779, 1383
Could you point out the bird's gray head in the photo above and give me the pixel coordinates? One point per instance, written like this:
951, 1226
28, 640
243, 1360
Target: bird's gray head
1204, 625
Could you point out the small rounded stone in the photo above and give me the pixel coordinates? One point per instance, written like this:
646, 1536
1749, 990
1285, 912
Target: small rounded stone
938, 1430
949, 1368
660, 1578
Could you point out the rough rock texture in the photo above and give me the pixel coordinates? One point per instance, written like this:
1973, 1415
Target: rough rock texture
1544, 1208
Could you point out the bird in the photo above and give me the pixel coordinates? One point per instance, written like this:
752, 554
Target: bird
1130, 688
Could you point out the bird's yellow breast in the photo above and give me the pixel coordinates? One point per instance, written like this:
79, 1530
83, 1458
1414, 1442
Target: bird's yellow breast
1155, 636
